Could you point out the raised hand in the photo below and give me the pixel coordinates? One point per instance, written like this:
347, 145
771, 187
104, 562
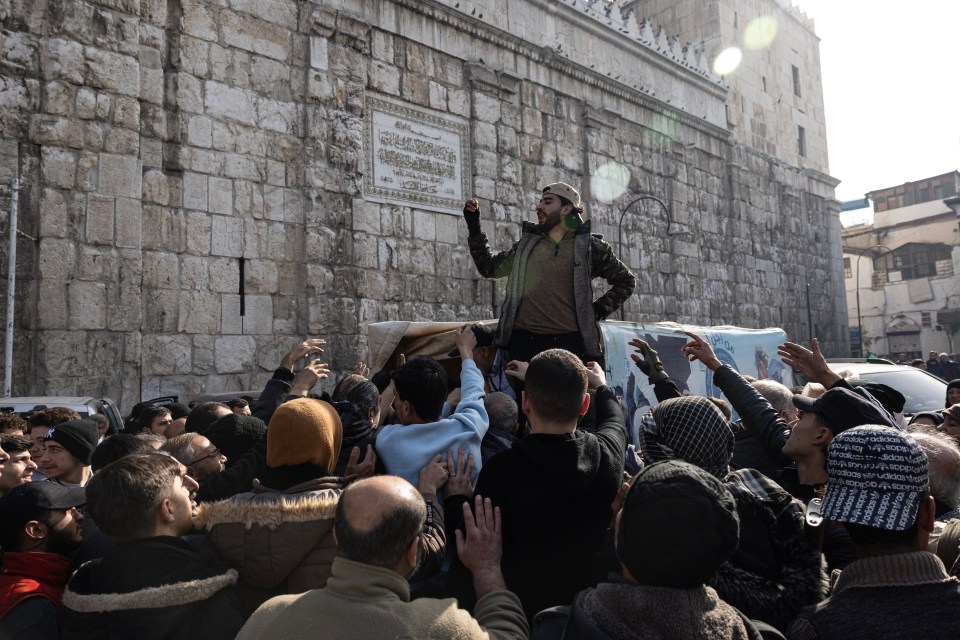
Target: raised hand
700, 349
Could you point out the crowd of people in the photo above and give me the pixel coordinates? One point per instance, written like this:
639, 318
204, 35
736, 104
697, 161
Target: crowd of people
504, 502
412, 510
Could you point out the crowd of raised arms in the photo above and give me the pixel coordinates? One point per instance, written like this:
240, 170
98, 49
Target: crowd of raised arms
504, 502
391, 506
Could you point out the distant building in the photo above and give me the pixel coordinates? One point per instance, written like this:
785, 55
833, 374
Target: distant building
902, 272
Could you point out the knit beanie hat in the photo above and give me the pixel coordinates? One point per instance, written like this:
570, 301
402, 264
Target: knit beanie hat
235, 434
690, 428
79, 437
304, 430
678, 525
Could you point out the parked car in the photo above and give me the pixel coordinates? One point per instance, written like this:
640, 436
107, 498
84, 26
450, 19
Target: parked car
25, 406
923, 391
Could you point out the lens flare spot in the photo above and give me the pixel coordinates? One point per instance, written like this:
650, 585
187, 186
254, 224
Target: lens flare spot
609, 182
760, 33
727, 61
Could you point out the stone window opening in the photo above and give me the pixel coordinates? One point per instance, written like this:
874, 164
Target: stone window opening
796, 80
802, 142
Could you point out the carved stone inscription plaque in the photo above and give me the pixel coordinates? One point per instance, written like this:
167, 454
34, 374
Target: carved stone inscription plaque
415, 157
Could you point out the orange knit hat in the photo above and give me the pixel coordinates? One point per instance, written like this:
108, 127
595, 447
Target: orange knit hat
304, 430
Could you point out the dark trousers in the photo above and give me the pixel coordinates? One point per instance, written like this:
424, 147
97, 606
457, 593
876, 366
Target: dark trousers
525, 345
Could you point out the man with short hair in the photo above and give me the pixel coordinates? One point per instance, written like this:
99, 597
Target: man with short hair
205, 414
39, 529
549, 301
879, 490
145, 501
12, 424
68, 450
155, 419
38, 424
201, 458
933, 364
556, 484
378, 525
420, 387
239, 406
19, 468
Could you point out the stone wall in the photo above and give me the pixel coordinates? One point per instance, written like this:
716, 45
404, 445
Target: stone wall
192, 172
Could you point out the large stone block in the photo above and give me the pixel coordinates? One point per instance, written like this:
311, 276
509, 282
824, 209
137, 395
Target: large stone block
58, 167
226, 236
199, 312
199, 21
53, 214
229, 102
52, 308
262, 276
129, 216
319, 56
274, 115
258, 315
279, 12
220, 196
99, 219
256, 36
120, 176
384, 78
160, 270
200, 131
88, 305
166, 355
56, 258
234, 354
113, 72
64, 61
195, 191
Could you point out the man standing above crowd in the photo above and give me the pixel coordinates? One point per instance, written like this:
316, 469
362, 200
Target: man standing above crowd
549, 302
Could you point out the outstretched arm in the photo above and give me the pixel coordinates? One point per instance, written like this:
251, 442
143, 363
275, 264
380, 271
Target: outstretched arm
489, 265
756, 411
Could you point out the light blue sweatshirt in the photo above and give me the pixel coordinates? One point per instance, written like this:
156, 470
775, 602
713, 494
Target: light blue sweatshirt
406, 449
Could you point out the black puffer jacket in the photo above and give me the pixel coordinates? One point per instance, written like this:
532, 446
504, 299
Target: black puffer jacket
152, 588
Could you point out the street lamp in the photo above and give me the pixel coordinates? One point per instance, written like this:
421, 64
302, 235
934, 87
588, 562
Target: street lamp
857, 283
673, 228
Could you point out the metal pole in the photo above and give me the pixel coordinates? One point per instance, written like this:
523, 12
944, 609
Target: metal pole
810, 330
11, 287
859, 317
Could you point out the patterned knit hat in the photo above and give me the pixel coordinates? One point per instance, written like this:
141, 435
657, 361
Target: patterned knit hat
304, 430
690, 428
876, 477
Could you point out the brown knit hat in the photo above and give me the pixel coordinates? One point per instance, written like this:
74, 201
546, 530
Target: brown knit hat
304, 430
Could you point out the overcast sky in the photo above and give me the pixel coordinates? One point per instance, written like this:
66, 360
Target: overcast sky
891, 88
